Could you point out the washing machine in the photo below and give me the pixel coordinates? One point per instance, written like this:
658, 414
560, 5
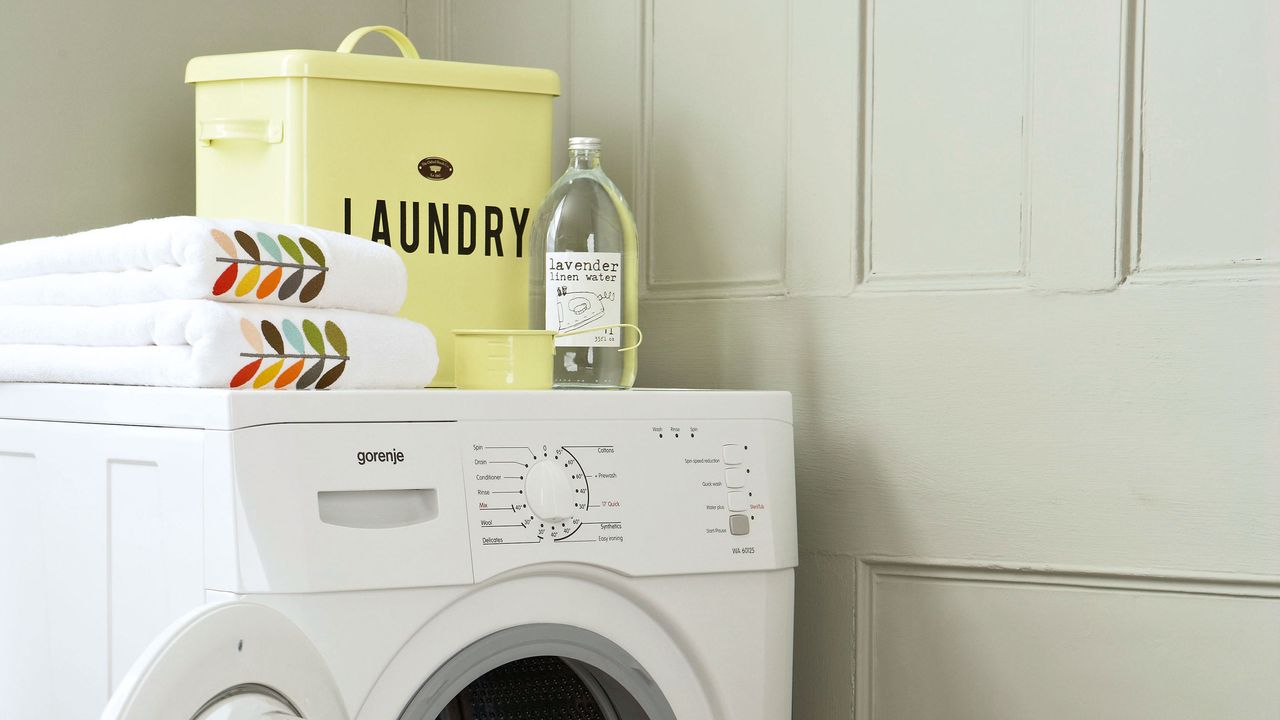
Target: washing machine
186, 554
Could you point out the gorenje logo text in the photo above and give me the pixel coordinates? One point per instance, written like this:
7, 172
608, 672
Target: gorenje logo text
393, 456
454, 230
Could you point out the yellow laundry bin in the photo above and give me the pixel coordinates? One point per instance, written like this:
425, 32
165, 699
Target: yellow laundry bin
444, 161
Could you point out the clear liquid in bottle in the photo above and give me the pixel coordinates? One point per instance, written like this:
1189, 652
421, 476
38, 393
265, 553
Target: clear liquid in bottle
582, 270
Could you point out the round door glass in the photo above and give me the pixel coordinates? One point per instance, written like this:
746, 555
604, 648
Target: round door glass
542, 672
546, 687
249, 702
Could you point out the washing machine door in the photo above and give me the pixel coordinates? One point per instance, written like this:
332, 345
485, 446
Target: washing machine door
235, 661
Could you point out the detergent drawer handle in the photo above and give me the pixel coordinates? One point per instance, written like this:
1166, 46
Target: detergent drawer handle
378, 509
264, 131
406, 47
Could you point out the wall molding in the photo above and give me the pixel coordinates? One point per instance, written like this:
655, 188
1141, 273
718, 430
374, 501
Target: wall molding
957, 281
1129, 164
869, 569
1240, 271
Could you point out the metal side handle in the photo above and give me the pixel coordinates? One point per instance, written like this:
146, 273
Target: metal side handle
258, 130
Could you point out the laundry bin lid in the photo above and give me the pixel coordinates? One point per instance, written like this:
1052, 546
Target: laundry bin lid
344, 64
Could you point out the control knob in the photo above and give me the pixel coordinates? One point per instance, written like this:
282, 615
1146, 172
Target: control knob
549, 492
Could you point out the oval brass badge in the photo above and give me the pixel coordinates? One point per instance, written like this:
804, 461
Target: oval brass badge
435, 168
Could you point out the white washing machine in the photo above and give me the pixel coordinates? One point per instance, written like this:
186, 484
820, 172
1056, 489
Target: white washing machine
395, 555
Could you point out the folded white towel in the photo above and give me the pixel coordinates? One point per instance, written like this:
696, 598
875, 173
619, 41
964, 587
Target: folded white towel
197, 258
200, 343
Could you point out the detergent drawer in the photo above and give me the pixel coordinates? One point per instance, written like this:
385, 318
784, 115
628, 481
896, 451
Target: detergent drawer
335, 506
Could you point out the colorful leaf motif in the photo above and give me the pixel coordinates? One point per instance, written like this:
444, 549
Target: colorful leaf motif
313, 336
337, 340
224, 242
249, 280
272, 335
269, 283
290, 374
248, 244
251, 334
309, 377
290, 247
269, 374
332, 376
312, 249
226, 279
269, 245
293, 335
312, 288
291, 285
245, 373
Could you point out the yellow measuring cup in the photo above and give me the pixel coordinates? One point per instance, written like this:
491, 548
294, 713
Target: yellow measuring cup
513, 359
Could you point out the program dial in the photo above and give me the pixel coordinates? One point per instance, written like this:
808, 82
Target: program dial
551, 492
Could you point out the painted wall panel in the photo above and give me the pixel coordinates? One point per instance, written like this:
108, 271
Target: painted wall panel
1077, 227
989, 644
717, 148
947, 149
1210, 144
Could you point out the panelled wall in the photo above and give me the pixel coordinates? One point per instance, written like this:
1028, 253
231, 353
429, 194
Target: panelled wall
1017, 260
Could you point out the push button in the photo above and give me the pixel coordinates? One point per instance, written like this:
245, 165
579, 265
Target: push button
735, 477
739, 525
733, 454
738, 501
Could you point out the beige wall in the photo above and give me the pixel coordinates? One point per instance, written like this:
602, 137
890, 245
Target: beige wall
95, 120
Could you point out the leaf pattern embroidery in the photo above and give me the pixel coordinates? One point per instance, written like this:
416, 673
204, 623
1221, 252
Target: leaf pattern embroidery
279, 265
280, 355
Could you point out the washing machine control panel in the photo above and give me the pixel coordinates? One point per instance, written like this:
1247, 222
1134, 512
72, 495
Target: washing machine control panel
639, 497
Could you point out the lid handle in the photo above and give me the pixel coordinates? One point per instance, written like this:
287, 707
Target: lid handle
406, 48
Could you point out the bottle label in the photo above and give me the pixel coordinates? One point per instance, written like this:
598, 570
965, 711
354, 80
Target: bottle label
584, 290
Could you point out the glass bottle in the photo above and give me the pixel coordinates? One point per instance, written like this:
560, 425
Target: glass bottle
583, 273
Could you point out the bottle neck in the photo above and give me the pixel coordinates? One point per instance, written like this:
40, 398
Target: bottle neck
584, 159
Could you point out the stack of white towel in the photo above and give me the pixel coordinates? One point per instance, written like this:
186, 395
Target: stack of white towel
191, 302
